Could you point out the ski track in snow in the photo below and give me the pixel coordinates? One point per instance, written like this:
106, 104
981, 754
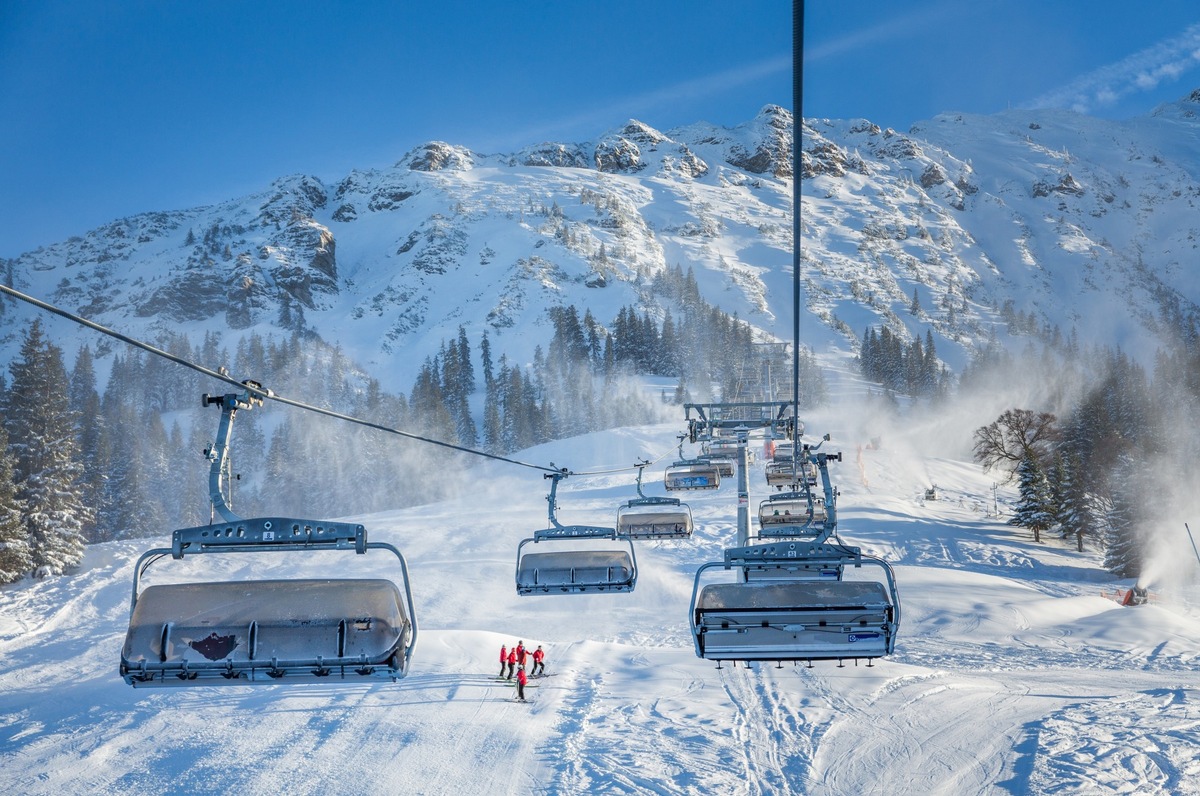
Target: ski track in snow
1011, 673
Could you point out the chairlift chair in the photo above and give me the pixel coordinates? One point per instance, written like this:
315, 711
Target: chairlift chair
782, 474
724, 464
689, 474
728, 448
653, 517
692, 474
574, 570
723, 446
794, 619
266, 631
792, 514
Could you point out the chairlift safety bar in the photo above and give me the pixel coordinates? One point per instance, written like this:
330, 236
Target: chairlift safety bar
782, 553
575, 532
268, 533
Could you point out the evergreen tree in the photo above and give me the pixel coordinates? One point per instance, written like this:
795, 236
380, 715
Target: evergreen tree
492, 423
1076, 517
92, 435
1034, 509
1122, 551
467, 373
16, 557
485, 354
42, 437
667, 362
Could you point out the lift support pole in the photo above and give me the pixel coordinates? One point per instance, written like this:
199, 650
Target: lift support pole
743, 462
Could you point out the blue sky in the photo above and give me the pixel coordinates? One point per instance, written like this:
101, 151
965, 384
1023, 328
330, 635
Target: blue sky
115, 108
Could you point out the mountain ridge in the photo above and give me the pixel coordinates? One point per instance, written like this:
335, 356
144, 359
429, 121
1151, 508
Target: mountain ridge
1082, 226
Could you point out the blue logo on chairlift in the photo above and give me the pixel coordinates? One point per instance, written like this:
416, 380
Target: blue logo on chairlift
853, 637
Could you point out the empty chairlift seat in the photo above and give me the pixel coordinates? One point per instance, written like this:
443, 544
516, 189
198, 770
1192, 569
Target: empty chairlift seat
654, 518
802, 619
688, 475
794, 620
724, 464
578, 569
723, 447
268, 631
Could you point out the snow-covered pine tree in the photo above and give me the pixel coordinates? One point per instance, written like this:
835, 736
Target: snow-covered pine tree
16, 559
1075, 515
1122, 551
1033, 510
93, 437
41, 431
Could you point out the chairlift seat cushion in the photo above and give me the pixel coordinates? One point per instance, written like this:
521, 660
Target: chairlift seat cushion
212, 629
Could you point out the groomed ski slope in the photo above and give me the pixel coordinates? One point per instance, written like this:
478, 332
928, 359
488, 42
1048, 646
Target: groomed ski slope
1012, 674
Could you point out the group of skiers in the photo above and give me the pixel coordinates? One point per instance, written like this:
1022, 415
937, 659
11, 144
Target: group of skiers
514, 659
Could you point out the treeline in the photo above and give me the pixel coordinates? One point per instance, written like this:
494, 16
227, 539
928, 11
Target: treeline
911, 369
83, 462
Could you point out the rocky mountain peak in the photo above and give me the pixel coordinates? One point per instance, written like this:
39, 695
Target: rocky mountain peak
438, 156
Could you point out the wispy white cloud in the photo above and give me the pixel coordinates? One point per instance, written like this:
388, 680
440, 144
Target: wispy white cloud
899, 27
645, 104
1164, 62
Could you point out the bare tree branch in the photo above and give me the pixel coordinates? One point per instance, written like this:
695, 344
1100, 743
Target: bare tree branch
1017, 433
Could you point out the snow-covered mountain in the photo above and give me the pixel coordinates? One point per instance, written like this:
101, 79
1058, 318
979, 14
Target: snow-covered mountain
1043, 221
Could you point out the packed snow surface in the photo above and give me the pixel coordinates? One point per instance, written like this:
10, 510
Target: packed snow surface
1013, 673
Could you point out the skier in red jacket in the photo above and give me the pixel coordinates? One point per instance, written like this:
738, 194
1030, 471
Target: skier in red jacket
539, 659
503, 658
512, 663
521, 653
521, 680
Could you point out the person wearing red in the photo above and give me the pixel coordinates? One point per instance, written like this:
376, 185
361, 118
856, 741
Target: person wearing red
512, 662
539, 659
521, 653
521, 680
503, 658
